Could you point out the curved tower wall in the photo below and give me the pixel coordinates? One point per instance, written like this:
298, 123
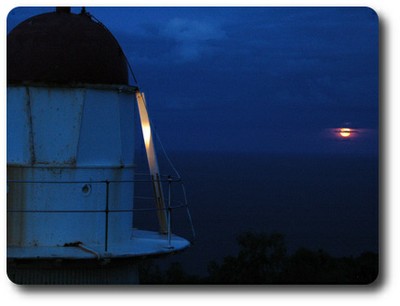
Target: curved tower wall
67, 151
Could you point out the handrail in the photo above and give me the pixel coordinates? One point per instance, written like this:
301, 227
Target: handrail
91, 210
168, 209
176, 180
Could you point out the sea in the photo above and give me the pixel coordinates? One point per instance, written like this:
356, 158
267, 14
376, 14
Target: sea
319, 202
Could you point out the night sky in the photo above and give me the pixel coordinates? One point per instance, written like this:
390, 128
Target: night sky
276, 80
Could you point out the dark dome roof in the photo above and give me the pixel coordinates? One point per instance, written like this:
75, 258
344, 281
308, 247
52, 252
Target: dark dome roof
64, 48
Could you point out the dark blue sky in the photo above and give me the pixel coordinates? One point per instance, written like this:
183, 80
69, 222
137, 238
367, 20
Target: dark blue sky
278, 80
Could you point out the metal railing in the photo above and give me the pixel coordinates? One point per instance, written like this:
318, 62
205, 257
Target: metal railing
171, 204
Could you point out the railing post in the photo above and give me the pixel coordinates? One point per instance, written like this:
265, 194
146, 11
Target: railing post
106, 213
169, 210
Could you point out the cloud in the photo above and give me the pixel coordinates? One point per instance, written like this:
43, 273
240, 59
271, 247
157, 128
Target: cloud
193, 38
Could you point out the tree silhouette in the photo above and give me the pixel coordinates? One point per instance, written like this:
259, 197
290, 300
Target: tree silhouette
262, 259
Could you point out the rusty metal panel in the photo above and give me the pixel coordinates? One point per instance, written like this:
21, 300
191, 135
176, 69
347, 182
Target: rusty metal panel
127, 127
19, 146
44, 204
119, 228
55, 189
100, 139
52, 197
55, 229
56, 121
45, 210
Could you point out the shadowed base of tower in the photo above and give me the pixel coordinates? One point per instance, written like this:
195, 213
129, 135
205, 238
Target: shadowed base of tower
73, 272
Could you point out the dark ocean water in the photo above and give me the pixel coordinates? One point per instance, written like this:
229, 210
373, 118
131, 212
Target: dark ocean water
317, 202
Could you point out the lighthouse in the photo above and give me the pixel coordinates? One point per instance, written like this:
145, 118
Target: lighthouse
71, 170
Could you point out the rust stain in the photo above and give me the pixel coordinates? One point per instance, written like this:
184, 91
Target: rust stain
30, 121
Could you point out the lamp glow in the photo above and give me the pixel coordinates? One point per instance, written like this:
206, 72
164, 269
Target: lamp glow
152, 161
146, 134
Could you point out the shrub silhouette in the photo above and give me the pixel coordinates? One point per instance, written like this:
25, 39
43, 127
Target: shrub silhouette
262, 259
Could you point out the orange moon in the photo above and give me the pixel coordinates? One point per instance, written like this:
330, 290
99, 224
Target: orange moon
345, 132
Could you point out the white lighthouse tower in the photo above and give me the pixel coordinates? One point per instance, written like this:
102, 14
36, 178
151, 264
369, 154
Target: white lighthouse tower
70, 157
